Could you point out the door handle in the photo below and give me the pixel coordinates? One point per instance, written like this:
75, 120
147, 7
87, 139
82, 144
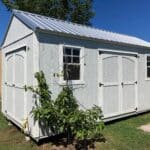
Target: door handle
136, 109
135, 82
100, 84
122, 83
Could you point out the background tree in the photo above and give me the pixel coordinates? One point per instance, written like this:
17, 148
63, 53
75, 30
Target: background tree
77, 11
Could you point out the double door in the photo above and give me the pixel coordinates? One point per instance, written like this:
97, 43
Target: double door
14, 83
117, 83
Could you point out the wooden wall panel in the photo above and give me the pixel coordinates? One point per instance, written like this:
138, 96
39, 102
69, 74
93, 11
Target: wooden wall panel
0, 73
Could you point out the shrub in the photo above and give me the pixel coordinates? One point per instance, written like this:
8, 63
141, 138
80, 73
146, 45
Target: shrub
64, 114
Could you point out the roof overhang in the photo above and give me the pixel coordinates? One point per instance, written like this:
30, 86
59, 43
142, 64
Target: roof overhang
90, 39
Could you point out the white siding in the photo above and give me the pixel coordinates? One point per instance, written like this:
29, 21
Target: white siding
144, 84
87, 94
31, 66
17, 30
49, 63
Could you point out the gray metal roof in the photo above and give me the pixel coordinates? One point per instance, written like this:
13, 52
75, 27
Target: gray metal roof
35, 21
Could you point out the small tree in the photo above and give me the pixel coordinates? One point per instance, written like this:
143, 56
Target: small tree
64, 115
44, 110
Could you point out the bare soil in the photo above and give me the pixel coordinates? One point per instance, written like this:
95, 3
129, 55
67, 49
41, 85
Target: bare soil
145, 128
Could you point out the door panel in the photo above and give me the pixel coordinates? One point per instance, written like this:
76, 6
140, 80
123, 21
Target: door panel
19, 103
129, 83
110, 69
128, 68
128, 103
10, 100
19, 84
9, 83
110, 84
19, 69
111, 100
10, 69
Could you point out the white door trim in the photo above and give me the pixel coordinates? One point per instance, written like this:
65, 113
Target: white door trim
117, 51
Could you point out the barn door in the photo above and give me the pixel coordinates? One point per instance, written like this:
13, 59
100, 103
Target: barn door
15, 81
109, 84
19, 82
117, 83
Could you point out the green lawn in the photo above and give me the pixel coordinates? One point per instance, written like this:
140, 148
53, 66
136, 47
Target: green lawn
121, 135
124, 135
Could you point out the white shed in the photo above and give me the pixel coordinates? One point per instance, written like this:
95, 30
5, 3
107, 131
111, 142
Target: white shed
113, 69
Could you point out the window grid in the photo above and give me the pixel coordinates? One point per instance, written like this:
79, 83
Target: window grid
71, 60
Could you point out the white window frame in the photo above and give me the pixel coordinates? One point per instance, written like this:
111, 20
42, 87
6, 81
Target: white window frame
61, 78
146, 78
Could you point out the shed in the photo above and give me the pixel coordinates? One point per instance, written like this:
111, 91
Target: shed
113, 69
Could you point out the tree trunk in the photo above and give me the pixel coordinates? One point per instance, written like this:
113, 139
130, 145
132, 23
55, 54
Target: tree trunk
69, 136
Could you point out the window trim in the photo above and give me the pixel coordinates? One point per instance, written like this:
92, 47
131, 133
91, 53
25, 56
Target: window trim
146, 78
61, 78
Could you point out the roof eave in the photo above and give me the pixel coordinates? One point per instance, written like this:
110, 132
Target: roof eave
25, 21
89, 38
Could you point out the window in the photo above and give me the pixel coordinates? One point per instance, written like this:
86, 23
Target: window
148, 66
71, 63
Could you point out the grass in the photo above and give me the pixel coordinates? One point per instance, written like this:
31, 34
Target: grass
125, 135
12, 139
120, 135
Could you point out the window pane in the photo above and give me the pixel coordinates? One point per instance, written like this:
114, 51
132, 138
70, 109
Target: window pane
148, 58
67, 59
148, 63
76, 52
67, 51
148, 72
71, 72
76, 60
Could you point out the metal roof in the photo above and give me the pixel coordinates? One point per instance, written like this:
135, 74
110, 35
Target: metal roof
35, 22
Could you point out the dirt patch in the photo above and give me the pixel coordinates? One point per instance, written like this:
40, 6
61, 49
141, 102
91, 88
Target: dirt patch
11, 135
56, 147
61, 144
145, 128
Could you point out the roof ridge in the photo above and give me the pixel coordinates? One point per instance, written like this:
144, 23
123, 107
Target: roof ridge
81, 25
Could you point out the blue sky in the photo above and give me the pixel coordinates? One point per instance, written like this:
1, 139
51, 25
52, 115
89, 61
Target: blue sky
4, 19
124, 16
130, 17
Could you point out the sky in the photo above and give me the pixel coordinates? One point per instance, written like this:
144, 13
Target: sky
131, 17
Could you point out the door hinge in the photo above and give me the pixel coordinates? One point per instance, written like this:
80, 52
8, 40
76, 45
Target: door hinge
100, 84
137, 56
100, 52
